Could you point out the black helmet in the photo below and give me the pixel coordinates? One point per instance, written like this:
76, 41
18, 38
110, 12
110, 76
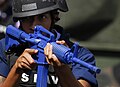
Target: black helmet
23, 8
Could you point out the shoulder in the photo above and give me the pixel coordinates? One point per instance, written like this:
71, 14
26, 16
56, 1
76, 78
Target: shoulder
4, 68
85, 54
81, 72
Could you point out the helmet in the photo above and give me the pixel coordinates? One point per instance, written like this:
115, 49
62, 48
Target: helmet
23, 8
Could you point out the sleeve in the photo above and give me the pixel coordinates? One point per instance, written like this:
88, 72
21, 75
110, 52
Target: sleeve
80, 72
4, 68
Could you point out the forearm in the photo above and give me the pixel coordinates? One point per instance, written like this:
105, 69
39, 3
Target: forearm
66, 77
12, 78
25, 61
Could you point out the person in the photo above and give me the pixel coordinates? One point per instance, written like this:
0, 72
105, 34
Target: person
14, 67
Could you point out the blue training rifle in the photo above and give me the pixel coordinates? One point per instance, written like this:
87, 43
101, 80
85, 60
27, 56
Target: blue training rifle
38, 40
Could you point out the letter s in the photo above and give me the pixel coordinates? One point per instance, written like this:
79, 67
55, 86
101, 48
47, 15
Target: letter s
25, 77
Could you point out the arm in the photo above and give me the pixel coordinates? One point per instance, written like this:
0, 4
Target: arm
64, 73
67, 78
25, 61
12, 79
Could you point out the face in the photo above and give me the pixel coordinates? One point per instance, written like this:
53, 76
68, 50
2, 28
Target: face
28, 23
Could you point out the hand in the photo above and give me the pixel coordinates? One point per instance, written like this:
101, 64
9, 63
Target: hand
50, 57
25, 61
